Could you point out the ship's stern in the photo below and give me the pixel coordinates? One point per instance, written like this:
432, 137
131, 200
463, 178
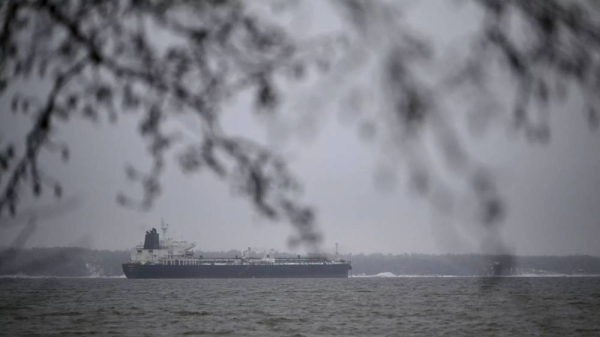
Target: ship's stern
129, 269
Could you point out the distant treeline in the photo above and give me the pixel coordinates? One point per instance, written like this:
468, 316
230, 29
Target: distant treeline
61, 261
81, 262
472, 264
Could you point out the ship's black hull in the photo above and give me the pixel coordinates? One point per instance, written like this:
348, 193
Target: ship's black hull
134, 270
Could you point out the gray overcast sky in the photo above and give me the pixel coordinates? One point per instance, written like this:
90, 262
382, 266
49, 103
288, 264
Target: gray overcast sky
553, 191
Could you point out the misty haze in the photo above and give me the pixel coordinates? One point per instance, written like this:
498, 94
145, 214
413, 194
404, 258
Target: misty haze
301, 167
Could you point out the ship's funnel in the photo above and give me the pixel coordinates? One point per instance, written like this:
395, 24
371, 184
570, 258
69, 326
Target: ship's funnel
151, 241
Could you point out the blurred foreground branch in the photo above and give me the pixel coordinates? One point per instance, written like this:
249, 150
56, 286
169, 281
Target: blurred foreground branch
161, 59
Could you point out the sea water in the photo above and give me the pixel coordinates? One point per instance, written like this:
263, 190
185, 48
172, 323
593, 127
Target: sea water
389, 306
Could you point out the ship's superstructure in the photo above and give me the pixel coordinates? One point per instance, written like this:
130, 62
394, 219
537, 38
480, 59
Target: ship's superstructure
167, 258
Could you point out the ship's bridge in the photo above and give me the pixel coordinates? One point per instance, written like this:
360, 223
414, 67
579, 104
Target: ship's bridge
154, 250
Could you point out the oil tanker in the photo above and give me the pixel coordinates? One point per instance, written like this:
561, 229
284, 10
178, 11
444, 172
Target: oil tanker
167, 258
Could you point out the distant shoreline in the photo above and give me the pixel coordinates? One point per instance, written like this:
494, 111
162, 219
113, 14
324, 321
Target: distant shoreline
86, 263
474, 276
30, 277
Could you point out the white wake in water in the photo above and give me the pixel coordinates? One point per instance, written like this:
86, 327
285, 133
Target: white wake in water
390, 274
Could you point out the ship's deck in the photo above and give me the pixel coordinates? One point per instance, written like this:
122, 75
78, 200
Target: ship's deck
246, 261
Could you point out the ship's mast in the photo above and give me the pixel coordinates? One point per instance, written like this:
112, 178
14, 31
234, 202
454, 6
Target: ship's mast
336, 249
164, 227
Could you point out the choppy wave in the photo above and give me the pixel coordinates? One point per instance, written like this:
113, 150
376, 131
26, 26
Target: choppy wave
383, 306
